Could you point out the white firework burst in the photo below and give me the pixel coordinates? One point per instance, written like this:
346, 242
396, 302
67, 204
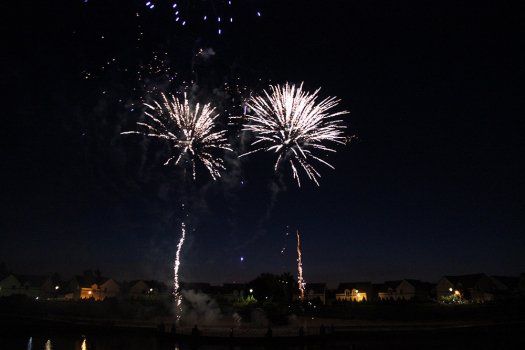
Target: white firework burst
189, 129
290, 123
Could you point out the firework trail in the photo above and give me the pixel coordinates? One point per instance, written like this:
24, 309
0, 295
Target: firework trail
178, 296
301, 283
290, 123
189, 129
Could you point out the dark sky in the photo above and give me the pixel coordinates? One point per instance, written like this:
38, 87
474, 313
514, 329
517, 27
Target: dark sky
432, 184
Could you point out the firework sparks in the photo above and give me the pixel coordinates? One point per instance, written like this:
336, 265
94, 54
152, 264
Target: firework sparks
290, 123
190, 130
178, 297
301, 283
186, 11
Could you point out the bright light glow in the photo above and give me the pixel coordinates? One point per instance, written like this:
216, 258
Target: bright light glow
289, 123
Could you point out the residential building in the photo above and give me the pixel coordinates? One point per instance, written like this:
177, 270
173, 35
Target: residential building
354, 291
476, 287
34, 286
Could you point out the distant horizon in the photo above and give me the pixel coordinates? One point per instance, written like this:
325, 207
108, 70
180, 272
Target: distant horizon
329, 285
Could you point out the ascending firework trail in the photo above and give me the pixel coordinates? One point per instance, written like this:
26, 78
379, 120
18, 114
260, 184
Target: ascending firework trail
300, 270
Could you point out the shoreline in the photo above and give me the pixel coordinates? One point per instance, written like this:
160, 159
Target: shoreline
221, 329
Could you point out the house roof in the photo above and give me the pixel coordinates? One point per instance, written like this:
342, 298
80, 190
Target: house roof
467, 281
361, 286
417, 284
88, 281
152, 284
228, 288
389, 284
84, 281
509, 282
32, 280
318, 288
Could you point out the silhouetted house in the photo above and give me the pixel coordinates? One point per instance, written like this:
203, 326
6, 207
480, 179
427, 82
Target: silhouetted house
507, 287
312, 292
477, 287
148, 290
231, 291
85, 287
521, 285
416, 289
357, 291
387, 291
38, 287
330, 296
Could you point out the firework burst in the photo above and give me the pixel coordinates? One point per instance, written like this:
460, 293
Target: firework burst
189, 129
290, 123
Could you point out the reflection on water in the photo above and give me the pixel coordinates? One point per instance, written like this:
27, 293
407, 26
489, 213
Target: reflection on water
457, 338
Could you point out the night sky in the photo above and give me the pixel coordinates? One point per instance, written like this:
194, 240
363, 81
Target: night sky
431, 185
